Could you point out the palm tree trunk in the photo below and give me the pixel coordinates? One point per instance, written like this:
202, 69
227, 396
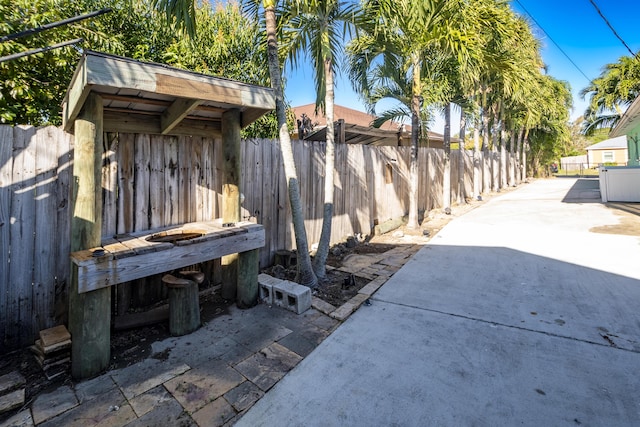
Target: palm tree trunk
525, 148
503, 162
322, 253
461, 155
512, 147
412, 222
519, 178
477, 171
306, 276
446, 181
486, 164
495, 162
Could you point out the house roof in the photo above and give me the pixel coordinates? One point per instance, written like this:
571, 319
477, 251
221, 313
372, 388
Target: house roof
358, 129
349, 115
629, 119
147, 97
608, 144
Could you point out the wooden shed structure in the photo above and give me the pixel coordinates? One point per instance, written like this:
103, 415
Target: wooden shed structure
115, 94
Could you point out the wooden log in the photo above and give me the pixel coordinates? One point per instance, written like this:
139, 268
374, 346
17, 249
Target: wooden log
89, 313
230, 194
248, 266
184, 305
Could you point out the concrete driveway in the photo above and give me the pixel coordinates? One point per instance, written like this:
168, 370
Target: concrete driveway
524, 311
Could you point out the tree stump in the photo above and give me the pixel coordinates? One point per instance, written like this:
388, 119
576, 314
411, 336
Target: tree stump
184, 305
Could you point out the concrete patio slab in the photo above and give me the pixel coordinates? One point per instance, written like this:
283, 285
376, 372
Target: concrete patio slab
146, 402
268, 366
111, 409
49, 405
199, 386
141, 377
214, 414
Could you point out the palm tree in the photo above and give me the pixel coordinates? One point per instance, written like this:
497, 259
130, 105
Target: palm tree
306, 275
611, 93
509, 64
318, 28
183, 12
400, 33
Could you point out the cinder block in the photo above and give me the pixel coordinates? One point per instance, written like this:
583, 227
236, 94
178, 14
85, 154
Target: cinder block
292, 296
266, 293
265, 283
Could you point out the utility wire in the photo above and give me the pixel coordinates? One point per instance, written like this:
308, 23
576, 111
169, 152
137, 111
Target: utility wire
615, 33
53, 25
553, 41
39, 50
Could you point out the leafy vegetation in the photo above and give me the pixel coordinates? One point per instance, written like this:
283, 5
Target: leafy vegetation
611, 94
32, 88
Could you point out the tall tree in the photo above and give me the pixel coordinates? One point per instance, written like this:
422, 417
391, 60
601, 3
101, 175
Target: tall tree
183, 12
306, 275
611, 93
401, 32
318, 28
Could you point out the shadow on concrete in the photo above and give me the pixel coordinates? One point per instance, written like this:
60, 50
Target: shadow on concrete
632, 208
585, 190
466, 330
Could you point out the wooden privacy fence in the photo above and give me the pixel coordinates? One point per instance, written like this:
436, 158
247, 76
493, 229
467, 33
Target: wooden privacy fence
152, 181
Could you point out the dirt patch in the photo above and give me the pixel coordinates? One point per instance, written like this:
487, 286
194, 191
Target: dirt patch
338, 286
127, 347
130, 346
629, 216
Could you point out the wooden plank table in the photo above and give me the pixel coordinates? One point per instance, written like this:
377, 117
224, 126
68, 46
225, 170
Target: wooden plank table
133, 256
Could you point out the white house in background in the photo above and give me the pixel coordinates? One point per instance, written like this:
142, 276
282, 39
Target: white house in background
613, 151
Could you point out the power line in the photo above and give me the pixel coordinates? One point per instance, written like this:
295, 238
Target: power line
553, 41
615, 33
53, 25
39, 50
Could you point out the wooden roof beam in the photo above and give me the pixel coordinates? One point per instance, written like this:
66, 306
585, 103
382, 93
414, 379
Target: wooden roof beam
176, 112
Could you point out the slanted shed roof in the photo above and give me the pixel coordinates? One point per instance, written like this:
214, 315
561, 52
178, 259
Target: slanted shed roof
608, 144
147, 97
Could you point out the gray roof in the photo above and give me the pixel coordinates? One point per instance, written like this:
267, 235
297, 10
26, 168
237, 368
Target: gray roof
617, 142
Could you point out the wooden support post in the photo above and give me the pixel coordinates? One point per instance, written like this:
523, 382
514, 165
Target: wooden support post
248, 266
230, 194
89, 313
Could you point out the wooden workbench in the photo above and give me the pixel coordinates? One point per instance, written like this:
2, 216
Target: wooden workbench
132, 256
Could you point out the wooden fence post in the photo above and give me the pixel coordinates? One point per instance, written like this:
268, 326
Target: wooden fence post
89, 313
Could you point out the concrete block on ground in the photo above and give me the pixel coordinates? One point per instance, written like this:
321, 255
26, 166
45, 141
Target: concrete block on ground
322, 306
358, 300
292, 296
265, 284
343, 311
370, 288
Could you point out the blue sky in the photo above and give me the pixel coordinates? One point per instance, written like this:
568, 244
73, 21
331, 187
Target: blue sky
574, 25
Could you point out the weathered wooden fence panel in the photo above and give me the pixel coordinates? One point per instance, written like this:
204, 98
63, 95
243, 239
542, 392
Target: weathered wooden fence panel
34, 218
155, 181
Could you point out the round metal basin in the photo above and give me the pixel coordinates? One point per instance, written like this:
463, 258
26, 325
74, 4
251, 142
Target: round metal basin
173, 236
